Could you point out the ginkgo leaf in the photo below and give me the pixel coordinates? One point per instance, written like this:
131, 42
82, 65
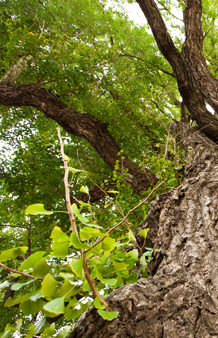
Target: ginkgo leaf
84, 189
73, 170
108, 315
55, 306
37, 209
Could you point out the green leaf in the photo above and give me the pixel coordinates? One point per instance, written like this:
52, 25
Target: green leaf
109, 281
131, 236
76, 243
28, 307
18, 324
87, 233
30, 332
35, 297
77, 267
144, 232
93, 225
66, 275
68, 289
41, 325
97, 249
4, 285
19, 300
63, 333
119, 266
108, 315
83, 204
37, 209
55, 306
41, 268
48, 333
73, 170
133, 256
48, 286
66, 158
84, 189
143, 263
72, 313
31, 261
58, 235
60, 249
13, 253
18, 286
98, 304
108, 244
76, 211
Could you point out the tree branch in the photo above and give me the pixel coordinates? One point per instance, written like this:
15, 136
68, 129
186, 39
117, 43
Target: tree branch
75, 123
205, 82
191, 97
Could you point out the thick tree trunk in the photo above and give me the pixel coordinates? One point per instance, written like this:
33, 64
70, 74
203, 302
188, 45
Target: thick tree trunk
181, 297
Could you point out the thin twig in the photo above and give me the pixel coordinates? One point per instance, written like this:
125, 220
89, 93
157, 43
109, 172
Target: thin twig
127, 215
19, 272
43, 24
73, 224
67, 190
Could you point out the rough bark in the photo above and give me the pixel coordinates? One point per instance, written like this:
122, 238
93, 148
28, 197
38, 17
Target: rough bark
186, 80
75, 123
180, 299
205, 82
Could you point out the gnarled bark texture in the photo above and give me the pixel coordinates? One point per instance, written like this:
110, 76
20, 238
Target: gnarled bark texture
181, 298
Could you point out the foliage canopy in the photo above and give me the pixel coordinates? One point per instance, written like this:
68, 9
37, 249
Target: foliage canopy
90, 57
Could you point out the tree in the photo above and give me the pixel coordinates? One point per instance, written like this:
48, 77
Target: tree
102, 84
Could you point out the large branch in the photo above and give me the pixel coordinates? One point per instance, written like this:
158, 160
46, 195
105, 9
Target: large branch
205, 82
192, 98
77, 124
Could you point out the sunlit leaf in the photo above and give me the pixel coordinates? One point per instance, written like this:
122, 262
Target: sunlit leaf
4, 285
73, 170
87, 233
12, 253
31, 260
84, 189
98, 304
76, 243
60, 249
108, 315
37, 209
144, 232
41, 268
131, 236
77, 267
18, 286
119, 266
48, 285
55, 306
63, 333
58, 235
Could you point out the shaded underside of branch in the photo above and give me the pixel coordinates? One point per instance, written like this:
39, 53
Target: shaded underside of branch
75, 123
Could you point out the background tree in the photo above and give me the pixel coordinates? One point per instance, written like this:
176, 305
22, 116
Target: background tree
84, 66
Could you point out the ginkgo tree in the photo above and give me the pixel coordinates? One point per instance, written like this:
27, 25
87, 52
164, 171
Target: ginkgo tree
72, 202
